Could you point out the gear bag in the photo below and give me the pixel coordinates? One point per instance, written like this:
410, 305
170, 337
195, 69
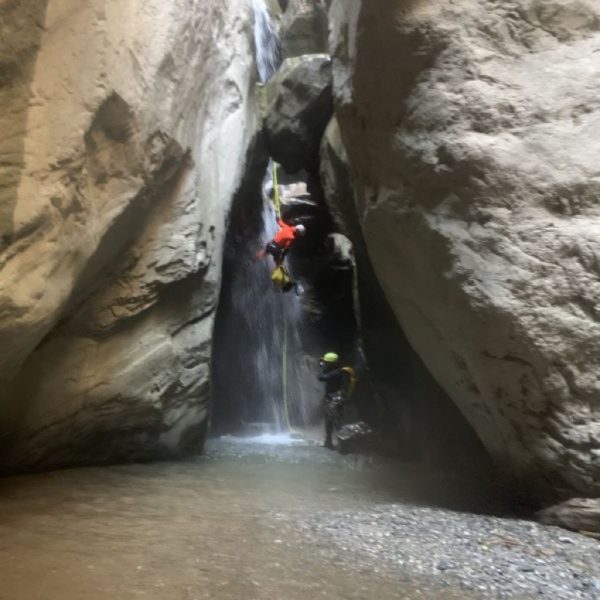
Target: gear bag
281, 278
353, 380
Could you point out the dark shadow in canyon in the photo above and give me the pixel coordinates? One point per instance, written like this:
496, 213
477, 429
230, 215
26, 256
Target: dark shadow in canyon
19, 46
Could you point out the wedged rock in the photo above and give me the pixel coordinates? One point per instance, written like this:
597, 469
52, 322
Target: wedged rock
122, 169
578, 514
474, 157
299, 105
304, 28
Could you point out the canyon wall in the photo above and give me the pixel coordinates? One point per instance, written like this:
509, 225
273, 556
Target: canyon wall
471, 129
123, 136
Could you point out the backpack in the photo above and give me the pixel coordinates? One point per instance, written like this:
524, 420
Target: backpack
281, 278
353, 380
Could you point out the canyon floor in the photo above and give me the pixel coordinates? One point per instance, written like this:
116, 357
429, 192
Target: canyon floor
276, 519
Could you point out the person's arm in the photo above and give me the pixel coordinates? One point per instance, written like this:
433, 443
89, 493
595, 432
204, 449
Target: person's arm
260, 254
328, 376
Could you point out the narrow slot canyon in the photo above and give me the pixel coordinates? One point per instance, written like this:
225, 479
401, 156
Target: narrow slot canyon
298, 299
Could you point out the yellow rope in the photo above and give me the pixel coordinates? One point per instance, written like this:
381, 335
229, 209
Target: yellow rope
286, 413
276, 191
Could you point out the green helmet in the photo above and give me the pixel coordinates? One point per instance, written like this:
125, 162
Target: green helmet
331, 357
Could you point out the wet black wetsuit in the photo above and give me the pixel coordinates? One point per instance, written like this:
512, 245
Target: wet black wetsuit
336, 382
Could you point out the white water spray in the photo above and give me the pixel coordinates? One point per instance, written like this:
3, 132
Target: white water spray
268, 55
283, 349
262, 333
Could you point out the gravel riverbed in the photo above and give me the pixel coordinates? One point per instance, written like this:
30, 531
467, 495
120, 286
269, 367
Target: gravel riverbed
393, 519
497, 557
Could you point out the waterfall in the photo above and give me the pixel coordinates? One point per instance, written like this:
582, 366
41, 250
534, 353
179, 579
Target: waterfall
259, 330
279, 319
268, 54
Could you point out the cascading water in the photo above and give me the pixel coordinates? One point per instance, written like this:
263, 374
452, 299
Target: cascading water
260, 367
261, 370
268, 53
278, 365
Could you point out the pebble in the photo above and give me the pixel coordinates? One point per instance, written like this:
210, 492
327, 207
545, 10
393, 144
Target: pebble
565, 540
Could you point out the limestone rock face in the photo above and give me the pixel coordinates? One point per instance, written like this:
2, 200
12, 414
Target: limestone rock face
474, 157
298, 107
122, 140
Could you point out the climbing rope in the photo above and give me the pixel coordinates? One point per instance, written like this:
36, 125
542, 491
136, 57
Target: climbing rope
286, 412
276, 192
284, 351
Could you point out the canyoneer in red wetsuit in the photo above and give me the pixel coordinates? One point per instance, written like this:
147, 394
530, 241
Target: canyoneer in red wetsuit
280, 245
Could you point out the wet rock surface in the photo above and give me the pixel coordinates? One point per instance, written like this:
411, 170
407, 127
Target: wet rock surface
355, 437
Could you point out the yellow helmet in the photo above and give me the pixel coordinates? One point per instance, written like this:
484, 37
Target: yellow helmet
331, 357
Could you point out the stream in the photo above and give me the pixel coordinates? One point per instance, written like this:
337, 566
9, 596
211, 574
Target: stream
270, 518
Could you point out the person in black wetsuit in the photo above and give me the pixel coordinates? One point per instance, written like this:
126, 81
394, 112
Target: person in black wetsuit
337, 382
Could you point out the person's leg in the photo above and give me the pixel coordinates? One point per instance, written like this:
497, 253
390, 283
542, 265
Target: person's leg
339, 415
280, 257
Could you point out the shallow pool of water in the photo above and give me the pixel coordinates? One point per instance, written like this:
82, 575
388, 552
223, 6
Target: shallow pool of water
205, 528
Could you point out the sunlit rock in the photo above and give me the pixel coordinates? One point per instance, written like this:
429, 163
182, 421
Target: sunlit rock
123, 134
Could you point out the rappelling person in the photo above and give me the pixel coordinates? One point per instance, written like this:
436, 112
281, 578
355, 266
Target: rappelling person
339, 385
280, 245
278, 248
